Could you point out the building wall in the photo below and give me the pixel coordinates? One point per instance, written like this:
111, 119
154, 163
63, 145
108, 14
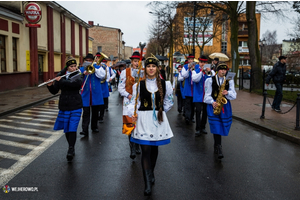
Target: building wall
49, 44
128, 52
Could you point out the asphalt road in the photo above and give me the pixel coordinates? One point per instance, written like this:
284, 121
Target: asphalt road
256, 165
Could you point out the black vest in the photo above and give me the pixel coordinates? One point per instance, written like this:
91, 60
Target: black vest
216, 88
146, 97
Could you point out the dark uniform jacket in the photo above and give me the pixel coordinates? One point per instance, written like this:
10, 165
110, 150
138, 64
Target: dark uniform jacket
277, 73
69, 99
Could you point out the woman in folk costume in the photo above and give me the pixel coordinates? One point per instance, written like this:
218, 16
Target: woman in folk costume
127, 80
70, 102
155, 98
215, 88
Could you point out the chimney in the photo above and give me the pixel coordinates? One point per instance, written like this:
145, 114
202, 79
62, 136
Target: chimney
91, 23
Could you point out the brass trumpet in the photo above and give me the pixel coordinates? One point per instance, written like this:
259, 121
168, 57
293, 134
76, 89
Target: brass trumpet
90, 68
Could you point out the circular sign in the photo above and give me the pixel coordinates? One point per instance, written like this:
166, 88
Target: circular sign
33, 13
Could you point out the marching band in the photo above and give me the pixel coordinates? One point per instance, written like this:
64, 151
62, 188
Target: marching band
146, 99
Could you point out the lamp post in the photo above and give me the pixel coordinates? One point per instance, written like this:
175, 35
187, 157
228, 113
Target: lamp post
261, 43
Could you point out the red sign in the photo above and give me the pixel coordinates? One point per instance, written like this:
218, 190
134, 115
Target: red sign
33, 13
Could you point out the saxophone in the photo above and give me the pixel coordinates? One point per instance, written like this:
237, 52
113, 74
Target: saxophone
221, 100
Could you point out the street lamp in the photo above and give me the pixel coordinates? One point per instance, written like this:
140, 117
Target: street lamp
261, 43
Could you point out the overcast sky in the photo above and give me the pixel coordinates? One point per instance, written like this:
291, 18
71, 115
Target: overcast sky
133, 18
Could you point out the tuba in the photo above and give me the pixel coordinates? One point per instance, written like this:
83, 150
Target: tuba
221, 100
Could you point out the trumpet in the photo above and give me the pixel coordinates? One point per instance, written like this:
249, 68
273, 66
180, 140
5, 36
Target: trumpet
90, 68
78, 70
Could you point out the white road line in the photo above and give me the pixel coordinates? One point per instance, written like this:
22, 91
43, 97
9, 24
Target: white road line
30, 118
45, 109
47, 106
7, 175
8, 155
40, 112
21, 136
26, 129
28, 114
17, 144
26, 123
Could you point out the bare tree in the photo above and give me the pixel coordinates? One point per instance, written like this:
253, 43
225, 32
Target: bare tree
270, 48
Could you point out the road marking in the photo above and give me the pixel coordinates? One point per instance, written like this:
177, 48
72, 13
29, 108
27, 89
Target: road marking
40, 112
22, 136
17, 144
7, 175
26, 123
30, 118
8, 155
45, 109
26, 129
56, 106
28, 114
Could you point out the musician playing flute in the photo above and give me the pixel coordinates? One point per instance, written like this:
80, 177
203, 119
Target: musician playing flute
91, 94
155, 98
219, 124
199, 75
127, 80
69, 111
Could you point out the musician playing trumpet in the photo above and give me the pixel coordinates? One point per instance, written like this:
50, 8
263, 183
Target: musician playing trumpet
91, 94
219, 124
199, 75
69, 111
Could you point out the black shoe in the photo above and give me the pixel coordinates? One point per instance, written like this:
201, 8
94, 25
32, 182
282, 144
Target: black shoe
148, 185
219, 151
193, 120
197, 133
132, 150
187, 121
101, 120
84, 133
137, 149
95, 130
179, 111
215, 149
106, 109
70, 154
183, 114
203, 131
277, 110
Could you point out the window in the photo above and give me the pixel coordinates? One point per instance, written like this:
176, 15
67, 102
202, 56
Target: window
2, 53
15, 61
243, 44
99, 48
224, 47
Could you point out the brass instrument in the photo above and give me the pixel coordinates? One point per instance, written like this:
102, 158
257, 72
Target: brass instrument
221, 100
90, 68
208, 73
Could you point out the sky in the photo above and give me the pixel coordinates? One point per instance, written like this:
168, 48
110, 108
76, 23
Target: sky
134, 19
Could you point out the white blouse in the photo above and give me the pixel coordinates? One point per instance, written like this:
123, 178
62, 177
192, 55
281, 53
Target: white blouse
208, 89
152, 87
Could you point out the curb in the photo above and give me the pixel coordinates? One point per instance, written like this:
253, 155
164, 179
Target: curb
269, 130
27, 105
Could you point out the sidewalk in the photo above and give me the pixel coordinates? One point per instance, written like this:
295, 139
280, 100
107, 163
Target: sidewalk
14, 100
246, 108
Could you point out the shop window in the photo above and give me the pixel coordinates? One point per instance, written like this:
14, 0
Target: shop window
2, 53
15, 52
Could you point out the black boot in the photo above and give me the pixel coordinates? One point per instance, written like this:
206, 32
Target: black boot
71, 153
132, 150
220, 153
147, 179
137, 149
152, 177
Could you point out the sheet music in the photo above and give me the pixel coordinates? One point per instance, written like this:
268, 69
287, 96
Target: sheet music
230, 75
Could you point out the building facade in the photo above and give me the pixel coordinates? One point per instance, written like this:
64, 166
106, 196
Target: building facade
107, 40
128, 52
31, 55
138, 49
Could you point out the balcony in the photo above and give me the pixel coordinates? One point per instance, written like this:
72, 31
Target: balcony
243, 33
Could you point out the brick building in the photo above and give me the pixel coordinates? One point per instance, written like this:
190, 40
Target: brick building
107, 40
138, 49
128, 52
31, 55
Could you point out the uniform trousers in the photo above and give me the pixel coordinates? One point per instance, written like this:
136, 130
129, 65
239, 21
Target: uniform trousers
201, 120
103, 107
86, 118
189, 108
